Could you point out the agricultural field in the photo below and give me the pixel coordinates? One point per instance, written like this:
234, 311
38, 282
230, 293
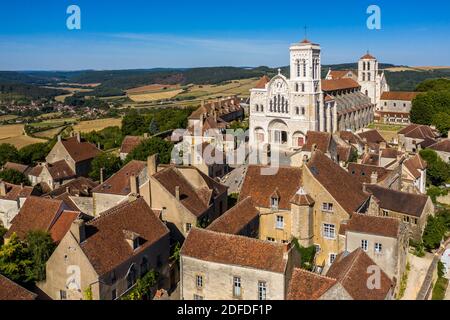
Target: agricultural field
153, 88
154, 96
15, 135
7, 117
235, 87
91, 125
48, 134
71, 90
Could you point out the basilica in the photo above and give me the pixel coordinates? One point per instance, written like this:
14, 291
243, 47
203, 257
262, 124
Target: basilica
283, 110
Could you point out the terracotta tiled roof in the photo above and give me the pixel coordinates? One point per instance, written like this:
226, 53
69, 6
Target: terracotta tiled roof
390, 153
350, 137
371, 136
350, 270
321, 140
16, 166
36, 214
342, 186
443, 145
368, 56
301, 198
415, 165
376, 225
306, 285
80, 186
261, 84
60, 170
80, 151
418, 131
339, 74
371, 159
62, 225
286, 181
119, 183
234, 250
344, 152
407, 203
399, 95
237, 218
15, 192
363, 172
339, 84
36, 171
197, 201
106, 246
11, 291
129, 143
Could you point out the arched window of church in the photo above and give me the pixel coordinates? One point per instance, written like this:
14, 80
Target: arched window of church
297, 110
296, 87
303, 87
368, 66
368, 77
278, 103
304, 68
270, 105
262, 108
364, 66
364, 76
367, 92
287, 107
298, 68
282, 104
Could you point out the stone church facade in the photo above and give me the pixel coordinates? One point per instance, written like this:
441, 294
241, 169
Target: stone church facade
283, 110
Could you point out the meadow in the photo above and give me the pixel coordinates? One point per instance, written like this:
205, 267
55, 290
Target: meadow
14, 134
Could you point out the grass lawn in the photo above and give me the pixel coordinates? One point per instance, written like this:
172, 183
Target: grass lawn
440, 288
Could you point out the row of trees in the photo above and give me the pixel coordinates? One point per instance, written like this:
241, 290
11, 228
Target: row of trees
432, 107
28, 155
110, 163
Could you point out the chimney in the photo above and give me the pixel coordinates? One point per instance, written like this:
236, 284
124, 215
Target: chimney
287, 250
101, 175
59, 138
78, 136
78, 230
68, 190
374, 178
152, 164
99, 146
177, 193
2, 189
364, 187
133, 185
382, 145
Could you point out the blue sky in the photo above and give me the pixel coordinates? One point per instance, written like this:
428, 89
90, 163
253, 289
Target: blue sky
148, 33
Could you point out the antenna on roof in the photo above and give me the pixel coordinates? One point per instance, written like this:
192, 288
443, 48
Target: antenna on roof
306, 31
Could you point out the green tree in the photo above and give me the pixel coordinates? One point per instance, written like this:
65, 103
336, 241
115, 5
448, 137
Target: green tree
434, 232
434, 85
3, 231
8, 153
108, 161
438, 171
425, 106
442, 122
14, 177
133, 123
34, 153
40, 246
149, 147
143, 287
15, 260
153, 127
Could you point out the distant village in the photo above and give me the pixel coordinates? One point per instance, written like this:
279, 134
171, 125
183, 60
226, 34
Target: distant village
347, 214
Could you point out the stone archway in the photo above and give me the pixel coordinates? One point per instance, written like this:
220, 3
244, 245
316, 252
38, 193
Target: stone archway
298, 139
278, 132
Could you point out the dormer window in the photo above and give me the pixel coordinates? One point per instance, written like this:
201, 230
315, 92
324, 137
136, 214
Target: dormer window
274, 201
133, 239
